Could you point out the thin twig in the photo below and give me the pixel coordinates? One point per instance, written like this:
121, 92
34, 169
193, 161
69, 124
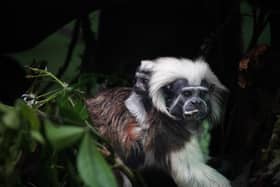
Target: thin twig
72, 45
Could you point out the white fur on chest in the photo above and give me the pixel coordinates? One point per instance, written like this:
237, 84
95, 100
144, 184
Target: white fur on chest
188, 168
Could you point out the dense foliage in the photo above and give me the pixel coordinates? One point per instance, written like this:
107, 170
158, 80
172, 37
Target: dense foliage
47, 140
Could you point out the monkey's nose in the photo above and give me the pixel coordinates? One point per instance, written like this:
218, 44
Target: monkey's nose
196, 102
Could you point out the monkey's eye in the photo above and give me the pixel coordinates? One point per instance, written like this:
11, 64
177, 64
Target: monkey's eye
204, 83
211, 87
145, 80
168, 87
187, 93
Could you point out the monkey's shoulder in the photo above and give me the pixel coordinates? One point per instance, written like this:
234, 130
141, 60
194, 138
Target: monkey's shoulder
108, 108
113, 120
113, 94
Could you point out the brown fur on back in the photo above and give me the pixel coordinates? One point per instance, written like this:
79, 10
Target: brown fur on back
112, 119
115, 123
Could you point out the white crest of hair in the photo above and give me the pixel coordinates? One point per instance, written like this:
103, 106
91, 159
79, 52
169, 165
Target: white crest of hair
188, 168
146, 65
168, 69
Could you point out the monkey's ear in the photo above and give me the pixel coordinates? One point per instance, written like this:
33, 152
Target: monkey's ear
142, 77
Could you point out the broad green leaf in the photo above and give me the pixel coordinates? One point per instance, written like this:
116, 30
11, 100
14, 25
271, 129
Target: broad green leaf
11, 119
62, 136
92, 167
29, 114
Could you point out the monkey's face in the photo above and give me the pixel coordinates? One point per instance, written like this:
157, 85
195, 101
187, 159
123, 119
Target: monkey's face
187, 102
181, 88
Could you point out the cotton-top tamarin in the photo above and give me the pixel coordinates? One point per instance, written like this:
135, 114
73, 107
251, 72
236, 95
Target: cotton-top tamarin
158, 121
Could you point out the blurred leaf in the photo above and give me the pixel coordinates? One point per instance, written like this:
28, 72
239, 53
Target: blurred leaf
36, 135
92, 167
72, 109
29, 114
5, 108
62, 136
11, 120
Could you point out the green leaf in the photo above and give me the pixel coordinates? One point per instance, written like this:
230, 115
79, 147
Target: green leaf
5, 108
62, 136
11, 119
29, 114
92, 167
36, 135
72, 108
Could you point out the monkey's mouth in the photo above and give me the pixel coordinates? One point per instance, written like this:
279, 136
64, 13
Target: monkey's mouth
191, 112
194, 114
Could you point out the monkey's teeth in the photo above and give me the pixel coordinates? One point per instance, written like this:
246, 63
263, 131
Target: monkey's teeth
191, 112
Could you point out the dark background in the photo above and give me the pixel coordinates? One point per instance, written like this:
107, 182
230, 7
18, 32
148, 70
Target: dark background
131, 31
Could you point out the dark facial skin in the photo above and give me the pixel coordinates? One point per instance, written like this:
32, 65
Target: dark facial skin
187, 102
